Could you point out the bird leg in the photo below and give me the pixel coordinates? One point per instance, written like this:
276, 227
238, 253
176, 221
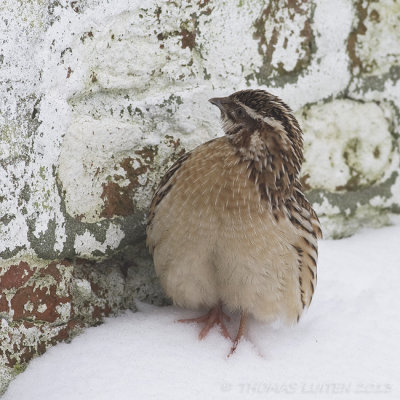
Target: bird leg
241, 330
214, 317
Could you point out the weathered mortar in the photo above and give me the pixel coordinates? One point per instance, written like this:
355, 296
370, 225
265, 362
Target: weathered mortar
97, 100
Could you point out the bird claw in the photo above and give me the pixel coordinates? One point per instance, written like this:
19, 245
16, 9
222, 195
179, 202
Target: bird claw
233, 348
242, 327
214, 317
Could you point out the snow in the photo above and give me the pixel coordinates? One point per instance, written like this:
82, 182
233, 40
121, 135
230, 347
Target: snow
346, 346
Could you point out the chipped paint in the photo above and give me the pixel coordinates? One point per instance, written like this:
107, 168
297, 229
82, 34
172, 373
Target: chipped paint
285, 39
375, 43
357, 142
43, 302
86, 243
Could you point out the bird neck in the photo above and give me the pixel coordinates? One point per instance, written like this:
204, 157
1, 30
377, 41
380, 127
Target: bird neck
272, 162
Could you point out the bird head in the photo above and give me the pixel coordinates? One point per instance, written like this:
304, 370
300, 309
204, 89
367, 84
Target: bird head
265, 132
261, 124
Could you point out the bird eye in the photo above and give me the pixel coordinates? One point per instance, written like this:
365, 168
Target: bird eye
239, 113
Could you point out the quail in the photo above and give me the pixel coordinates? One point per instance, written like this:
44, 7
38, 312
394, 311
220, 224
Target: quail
229, 225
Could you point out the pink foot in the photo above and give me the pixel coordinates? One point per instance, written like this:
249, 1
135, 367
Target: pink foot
214, 317
242, 328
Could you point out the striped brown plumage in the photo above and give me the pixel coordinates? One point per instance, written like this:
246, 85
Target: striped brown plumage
229, 225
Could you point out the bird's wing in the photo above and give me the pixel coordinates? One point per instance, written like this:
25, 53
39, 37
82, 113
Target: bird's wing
308, 212
305, 219
165, 185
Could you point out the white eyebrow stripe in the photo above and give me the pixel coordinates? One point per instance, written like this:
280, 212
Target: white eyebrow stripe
270, 121
249, 110
274, 123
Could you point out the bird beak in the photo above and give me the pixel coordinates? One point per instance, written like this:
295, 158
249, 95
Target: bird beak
220, 102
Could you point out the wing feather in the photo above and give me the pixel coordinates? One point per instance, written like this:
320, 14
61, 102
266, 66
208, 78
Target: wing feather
165, 185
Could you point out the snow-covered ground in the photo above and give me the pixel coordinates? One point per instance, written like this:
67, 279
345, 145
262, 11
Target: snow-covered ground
347, 346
